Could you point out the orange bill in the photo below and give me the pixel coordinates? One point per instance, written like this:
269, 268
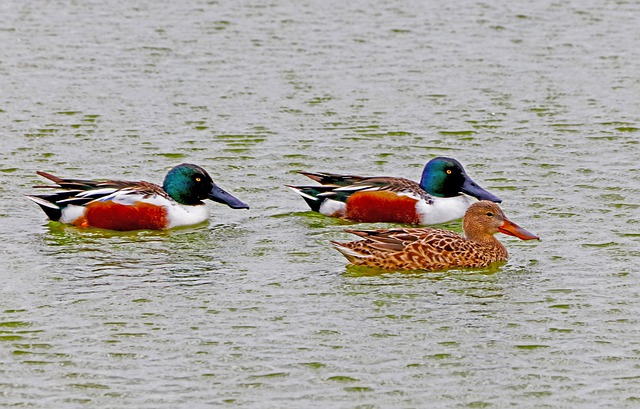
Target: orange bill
512, 229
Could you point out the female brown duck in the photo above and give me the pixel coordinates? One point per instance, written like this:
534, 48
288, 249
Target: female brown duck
435, 249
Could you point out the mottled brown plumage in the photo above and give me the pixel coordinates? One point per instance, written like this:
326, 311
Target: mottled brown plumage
436, 249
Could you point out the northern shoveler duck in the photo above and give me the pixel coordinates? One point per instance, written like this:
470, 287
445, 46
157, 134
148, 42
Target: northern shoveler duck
443, 194
435, 249
125, 205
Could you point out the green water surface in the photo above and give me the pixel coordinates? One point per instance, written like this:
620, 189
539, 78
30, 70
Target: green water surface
539, 101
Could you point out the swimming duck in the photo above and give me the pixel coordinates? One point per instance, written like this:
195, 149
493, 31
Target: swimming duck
125, 205
443, 194
436, 249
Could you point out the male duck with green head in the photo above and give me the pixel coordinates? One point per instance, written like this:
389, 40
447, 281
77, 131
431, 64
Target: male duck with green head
443, 194
125, 205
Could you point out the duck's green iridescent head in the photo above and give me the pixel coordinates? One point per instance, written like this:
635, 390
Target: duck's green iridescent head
189, 184
445, 177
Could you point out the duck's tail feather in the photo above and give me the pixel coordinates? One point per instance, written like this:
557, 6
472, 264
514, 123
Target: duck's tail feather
52, 210
333, 179
314, 195
351, 254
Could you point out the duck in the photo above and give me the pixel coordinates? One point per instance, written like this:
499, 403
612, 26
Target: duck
436, 249
127, 205
444, 193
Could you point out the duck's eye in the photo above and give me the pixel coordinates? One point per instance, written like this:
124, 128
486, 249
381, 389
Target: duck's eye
490, 214
198, 179
449, 171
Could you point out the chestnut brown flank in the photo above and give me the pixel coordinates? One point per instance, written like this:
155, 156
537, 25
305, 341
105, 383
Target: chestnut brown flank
382, 206
114, 216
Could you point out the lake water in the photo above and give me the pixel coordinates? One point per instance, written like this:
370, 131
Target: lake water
539, 101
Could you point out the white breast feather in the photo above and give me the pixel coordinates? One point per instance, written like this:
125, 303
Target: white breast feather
178, 214
443, 209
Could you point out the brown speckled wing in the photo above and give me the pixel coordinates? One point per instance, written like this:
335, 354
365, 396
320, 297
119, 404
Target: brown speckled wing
438, 252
